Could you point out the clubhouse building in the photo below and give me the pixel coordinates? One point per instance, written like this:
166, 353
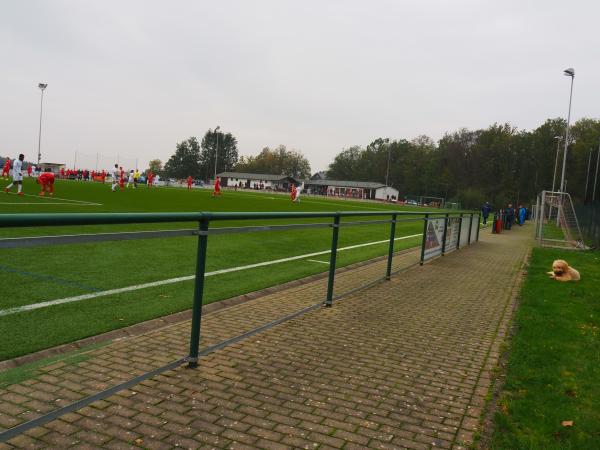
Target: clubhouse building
257, 181
351, 189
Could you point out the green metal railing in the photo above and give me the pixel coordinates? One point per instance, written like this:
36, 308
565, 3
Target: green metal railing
204, 220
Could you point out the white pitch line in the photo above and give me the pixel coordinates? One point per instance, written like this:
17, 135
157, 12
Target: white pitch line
71, 201
18, 309
317, 261
49, 204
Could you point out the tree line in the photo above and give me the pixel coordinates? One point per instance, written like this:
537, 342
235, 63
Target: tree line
499, 164
197, 159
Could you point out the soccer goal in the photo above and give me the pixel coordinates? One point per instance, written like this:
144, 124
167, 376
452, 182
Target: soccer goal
556, 223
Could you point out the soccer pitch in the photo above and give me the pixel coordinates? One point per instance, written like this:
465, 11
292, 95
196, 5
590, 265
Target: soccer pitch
109, 285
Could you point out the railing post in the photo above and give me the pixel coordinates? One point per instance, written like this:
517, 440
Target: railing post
459, 230
388, 272
477, 237
445, 231
470, 228
332, 258
425, 223
198, 294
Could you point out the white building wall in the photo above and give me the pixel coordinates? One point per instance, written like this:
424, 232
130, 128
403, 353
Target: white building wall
383, 192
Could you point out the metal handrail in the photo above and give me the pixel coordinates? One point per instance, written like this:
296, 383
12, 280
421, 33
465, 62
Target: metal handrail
205, 218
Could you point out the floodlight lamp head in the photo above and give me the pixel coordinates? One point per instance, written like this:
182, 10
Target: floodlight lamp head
570, 72
43, 86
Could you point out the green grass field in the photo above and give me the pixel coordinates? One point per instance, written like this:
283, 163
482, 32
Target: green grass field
40, 274
554, 363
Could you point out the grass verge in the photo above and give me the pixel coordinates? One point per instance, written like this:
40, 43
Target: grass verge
554, 364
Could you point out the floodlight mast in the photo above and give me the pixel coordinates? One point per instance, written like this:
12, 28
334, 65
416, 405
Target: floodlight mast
216, 150
558, 139
42, 86
570, 72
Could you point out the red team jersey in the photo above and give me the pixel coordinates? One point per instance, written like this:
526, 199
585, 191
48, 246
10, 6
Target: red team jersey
46, 178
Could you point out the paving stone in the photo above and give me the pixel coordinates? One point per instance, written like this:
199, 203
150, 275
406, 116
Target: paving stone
403, 364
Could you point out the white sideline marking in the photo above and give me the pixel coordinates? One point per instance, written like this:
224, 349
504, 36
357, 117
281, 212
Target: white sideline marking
315, 260
71, 201
49, 204
18, 309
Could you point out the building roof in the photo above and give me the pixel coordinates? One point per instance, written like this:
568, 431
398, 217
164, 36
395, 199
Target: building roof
255, 176
350, 184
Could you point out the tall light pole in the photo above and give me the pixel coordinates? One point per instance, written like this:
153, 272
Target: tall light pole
596, 176
387, 172
216, 150
570, 72
42, 86
558, 139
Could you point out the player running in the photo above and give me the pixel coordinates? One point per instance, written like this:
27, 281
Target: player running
17, 175
136, 176
46, 179
150, 179
121, 178
115, 175
189, 182
6, 169
296, 194
130, 179
217, 191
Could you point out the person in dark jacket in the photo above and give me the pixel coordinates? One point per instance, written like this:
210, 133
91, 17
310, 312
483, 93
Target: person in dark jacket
485, 211
510, 216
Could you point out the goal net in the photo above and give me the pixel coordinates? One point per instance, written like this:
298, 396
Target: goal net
556, 223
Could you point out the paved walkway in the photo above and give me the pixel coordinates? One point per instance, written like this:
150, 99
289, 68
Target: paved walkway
403, 364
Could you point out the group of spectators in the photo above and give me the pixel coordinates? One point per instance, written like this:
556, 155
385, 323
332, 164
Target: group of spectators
508, 215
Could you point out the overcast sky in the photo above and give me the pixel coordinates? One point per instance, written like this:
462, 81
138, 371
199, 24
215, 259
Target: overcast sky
134, 77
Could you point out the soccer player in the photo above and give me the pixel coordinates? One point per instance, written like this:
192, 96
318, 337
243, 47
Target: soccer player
46, 179
293, 192
217, 190
6, 168
189, 182
115, 175
298, 190
130, 179
149, 179
29, 170
136, 176
17, 175
121, 178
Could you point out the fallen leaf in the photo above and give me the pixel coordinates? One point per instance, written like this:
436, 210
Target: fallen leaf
139, 441
567, 423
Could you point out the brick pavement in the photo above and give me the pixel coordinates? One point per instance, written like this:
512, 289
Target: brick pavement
404, 364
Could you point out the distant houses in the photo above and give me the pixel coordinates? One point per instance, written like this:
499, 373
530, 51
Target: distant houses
257, 181
317, 185
351, 189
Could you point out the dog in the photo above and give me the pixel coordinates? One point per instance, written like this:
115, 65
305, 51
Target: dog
561, 271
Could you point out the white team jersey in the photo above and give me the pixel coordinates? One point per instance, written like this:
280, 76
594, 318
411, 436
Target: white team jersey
17, 170
115, 174
130, 177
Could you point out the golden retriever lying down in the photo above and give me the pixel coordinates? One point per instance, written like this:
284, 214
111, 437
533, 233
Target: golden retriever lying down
561, 271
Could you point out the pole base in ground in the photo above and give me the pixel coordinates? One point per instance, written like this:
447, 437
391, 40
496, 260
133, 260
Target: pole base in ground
192, 363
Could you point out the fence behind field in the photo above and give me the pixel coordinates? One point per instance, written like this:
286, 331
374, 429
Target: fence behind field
589, 221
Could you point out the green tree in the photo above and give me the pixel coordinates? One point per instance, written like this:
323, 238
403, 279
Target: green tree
279, 161
185, 161
155, 166
225, 147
